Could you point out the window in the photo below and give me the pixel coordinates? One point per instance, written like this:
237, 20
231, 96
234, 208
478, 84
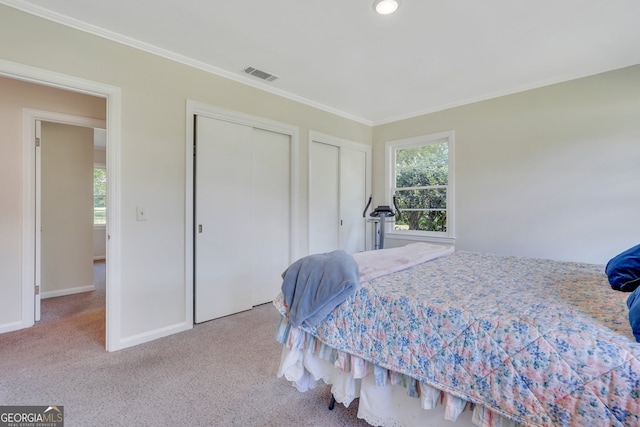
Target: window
420, 176
99, 195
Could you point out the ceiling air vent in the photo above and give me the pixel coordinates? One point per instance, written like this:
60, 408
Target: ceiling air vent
260, 74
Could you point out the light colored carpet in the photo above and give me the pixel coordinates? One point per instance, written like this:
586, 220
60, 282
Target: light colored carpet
220, 373
82, 303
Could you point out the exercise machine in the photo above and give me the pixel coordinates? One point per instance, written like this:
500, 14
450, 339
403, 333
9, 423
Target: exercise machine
380, 216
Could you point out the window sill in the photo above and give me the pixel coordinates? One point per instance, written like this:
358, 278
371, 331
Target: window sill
420, 238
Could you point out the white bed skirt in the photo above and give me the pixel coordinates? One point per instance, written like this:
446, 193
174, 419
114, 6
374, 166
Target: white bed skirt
387, 399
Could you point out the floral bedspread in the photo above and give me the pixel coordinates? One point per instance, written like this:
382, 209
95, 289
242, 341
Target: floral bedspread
544, 343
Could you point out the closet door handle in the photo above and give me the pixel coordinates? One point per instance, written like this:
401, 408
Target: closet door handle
199, 228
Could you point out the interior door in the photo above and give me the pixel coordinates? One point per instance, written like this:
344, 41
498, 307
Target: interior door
38, 226
223, 208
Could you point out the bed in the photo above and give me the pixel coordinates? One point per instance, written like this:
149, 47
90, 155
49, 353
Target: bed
484, 339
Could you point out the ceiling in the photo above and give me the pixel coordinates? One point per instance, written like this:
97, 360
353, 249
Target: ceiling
340, 56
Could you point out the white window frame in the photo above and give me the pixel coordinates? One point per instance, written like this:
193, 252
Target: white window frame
390, 179
99, 226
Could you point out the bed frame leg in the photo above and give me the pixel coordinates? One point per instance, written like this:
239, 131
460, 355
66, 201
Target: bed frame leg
332, 404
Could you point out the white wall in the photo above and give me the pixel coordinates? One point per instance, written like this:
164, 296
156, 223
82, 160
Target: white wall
154, 93
552, 172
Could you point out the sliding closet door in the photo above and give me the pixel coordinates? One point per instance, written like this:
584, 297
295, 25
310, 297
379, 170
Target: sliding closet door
337, 197
353, 194
324, 197
270, 237
242, 216
223, 207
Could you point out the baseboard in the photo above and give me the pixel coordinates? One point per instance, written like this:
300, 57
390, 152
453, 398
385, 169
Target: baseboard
152, 335
69, 291
10, 327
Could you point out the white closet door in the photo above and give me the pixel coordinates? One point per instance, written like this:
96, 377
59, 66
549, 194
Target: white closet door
242, 205
337, 197
353, 198
324, 196
223, 207
270, 236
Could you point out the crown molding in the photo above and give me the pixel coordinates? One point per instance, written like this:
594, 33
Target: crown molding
173, 56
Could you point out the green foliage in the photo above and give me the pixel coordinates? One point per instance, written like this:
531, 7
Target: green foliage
422, 171
99, 196
99, 181
424, 156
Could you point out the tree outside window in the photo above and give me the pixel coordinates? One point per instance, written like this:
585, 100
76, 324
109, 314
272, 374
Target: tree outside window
420, 175
99, 196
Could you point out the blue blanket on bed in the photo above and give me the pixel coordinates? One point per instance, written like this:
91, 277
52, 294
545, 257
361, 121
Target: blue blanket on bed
623, 270
633, 302
314, 285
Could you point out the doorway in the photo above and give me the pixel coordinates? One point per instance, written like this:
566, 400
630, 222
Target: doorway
112, 97
67, 219
61, 126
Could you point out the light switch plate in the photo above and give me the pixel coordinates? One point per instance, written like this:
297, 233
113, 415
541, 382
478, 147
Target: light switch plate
141, 213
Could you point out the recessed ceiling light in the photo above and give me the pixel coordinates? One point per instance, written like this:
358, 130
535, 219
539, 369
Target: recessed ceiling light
385, 7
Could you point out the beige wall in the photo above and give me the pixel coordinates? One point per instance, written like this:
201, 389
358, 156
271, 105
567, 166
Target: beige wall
552, 172
154, 94
17, 95
66, 209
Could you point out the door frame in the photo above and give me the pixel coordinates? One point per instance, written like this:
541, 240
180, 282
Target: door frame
195, 108
113, 97
32, 119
